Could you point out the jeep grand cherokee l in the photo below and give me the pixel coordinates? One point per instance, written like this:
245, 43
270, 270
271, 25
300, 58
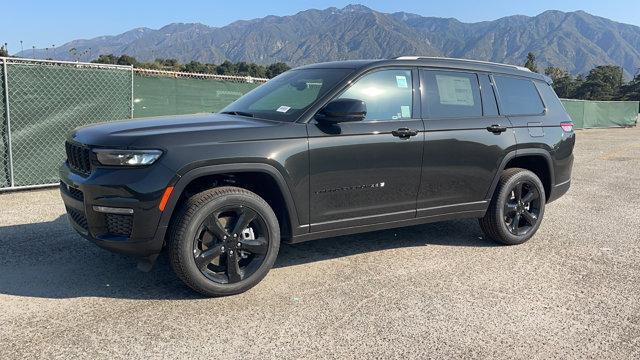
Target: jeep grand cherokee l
322, 150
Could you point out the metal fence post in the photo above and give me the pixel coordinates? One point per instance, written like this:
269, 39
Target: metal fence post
132, 91
8, 112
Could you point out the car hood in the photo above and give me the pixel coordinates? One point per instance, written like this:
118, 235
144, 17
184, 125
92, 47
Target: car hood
142, 131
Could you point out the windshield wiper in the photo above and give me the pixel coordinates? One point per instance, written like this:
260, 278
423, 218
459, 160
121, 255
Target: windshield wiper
239, 113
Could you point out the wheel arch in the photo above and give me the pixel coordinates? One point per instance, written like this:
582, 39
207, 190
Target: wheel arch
538, 161
271, 185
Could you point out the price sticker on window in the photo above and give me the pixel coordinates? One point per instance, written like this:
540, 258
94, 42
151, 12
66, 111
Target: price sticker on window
401, 81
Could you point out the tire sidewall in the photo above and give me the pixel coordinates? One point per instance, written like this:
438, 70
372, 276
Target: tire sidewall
185, 243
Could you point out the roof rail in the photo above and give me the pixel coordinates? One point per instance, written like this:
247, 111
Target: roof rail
464, 60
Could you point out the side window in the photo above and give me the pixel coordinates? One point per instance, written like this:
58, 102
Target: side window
489, 106
450, 94
387, 93
518, 96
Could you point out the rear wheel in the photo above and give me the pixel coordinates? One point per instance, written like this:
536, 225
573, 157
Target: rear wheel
224, 241
516, 209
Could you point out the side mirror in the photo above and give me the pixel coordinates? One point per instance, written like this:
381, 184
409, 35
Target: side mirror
342, 110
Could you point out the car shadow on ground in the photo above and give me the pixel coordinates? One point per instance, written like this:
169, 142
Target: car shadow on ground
49, 260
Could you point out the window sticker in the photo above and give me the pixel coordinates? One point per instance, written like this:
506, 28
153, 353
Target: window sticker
401, 81
405, 111
283, 109
455, 90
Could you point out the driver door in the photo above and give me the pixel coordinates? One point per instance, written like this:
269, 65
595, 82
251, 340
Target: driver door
368, 172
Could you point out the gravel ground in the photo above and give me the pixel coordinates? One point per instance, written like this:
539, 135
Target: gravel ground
431, 291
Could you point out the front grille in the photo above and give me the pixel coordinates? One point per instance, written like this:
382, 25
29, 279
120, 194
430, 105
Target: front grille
119, 224
79, 158
78, 217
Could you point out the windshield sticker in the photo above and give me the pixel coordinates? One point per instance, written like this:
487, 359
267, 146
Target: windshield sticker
401, 81
454, 90
405, 111
283, 109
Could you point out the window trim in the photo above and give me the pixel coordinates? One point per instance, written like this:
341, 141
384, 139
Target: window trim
427, 115
493, 90
499, 98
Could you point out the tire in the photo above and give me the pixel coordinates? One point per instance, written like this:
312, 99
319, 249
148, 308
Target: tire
518, 199
205, 226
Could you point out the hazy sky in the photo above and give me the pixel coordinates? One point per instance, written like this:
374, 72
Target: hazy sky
46, 23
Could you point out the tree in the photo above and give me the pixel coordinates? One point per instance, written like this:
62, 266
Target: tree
125, 59
531, 62
169, 64
631, 91
3, 51
196, 67
227, 68
106, 59
602, 83
563, 83
276, 69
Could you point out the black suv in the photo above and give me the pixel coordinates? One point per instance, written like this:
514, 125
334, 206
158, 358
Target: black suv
322, 150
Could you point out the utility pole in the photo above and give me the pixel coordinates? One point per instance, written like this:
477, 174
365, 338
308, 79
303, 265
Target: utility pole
33, 51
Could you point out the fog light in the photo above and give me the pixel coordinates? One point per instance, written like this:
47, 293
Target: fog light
112, 210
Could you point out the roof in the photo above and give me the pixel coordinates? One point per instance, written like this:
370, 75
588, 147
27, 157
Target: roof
437, 62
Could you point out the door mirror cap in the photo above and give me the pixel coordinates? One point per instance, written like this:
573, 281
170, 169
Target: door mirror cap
342, 110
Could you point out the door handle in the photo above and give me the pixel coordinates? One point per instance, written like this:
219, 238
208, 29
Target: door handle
404, 133
496, 129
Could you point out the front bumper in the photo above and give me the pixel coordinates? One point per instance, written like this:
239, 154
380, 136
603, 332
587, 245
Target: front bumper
139, 189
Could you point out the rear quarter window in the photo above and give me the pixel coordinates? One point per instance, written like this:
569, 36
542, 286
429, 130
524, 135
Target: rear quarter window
518, 96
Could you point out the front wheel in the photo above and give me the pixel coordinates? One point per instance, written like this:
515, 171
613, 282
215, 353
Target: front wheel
516, 209
224, 241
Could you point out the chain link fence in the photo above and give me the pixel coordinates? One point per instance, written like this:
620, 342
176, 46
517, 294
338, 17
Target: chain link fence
5, 177
43, 101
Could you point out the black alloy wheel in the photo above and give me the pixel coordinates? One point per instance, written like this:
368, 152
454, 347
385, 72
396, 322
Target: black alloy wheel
231, 244
522, 208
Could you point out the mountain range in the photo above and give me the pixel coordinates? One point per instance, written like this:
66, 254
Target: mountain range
575, 41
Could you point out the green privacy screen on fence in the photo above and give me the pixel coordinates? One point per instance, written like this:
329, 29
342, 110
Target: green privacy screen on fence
155, 96
594, 114
47, 100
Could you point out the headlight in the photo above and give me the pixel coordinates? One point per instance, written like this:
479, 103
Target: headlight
114, 157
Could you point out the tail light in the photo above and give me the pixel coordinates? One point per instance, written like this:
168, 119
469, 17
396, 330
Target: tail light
566, 126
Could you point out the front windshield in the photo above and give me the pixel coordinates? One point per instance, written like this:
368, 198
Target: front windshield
287, 96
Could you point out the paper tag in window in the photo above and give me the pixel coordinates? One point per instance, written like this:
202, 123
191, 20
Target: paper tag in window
405, 111
401, 81
283, 109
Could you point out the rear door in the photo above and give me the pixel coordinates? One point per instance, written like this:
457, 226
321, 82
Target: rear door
465, 141
368, 171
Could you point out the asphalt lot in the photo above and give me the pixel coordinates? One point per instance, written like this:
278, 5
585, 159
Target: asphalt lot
431, 291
